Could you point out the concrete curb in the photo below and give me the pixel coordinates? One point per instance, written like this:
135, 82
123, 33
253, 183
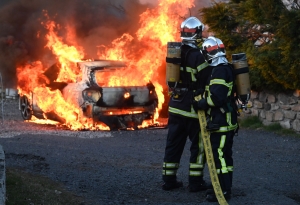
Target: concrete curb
2, 177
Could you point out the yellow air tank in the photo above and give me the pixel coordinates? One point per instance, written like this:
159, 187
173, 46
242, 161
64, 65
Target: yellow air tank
242, 80
173, 63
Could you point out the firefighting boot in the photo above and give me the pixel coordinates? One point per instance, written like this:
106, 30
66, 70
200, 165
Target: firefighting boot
170, 181
211, 196
167, 186
197, 184
199, 187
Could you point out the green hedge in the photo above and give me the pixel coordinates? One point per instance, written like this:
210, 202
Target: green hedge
275, 64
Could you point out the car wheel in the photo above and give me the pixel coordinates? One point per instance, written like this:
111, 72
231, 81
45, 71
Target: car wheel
26, 110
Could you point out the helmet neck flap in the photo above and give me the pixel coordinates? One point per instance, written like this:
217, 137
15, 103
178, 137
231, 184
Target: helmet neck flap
192, 44
218, 60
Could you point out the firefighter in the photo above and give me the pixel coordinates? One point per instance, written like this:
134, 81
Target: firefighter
183, 122
218, 103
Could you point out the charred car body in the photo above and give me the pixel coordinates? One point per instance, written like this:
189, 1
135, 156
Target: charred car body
119, 107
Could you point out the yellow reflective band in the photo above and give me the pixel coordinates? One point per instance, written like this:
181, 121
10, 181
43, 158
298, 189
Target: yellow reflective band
209, 101
218, 81
193, 77
192, 71
221, 171
220, 151
170, 165
169, 172
196, 173
189, 70
230, 89
230, 168
183, 113
229, 85
224, 170
207, 88
208, 111
222, 82
200, 157
228, 118
196, 166
202, 66
227, 128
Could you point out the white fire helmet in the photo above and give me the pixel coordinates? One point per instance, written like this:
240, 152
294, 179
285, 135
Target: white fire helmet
214, 52
191, 29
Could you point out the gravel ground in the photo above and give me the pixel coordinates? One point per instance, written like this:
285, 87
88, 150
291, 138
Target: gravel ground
124, 167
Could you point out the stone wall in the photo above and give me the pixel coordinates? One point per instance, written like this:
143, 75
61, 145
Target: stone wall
270, 107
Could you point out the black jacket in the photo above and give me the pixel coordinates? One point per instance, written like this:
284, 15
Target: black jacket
219, 97
193, 76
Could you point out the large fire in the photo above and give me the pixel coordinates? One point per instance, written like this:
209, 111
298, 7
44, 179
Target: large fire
145, 52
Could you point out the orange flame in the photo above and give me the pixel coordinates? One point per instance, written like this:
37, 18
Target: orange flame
145, 52
158, 26
31, 76
65, 54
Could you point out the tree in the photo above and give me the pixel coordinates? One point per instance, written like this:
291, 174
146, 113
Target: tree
267, 31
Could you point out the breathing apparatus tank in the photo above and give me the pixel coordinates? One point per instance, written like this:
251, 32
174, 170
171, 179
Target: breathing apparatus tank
173, 60
242, 80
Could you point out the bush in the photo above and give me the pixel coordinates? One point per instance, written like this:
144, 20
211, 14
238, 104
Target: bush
274, 62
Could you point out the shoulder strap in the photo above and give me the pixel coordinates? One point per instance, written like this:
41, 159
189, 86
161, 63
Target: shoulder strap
233, 78
184, 62
185, 57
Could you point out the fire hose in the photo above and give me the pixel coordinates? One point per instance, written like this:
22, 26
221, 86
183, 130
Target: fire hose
210, 157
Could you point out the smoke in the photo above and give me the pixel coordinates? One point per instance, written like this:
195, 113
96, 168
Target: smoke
94, 22
193, 11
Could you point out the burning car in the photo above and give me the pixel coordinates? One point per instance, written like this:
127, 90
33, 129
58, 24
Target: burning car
119, 107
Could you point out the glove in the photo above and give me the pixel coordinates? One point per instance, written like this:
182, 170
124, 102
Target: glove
200, 105
199, 92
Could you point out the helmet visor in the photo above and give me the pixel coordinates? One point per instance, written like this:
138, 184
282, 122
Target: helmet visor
213, 50
190, 33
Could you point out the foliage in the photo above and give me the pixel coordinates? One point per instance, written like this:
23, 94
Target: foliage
267, 31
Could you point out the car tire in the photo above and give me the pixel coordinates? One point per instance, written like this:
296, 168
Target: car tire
25, 107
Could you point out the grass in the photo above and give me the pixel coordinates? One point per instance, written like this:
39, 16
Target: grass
23, 188
254, 122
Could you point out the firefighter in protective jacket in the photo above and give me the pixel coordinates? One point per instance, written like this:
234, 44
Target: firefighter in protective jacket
219, 104
183, 120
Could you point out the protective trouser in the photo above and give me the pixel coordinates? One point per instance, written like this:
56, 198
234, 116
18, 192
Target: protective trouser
221, 144
179, 129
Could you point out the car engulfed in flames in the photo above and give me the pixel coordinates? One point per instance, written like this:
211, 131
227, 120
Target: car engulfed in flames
118, 107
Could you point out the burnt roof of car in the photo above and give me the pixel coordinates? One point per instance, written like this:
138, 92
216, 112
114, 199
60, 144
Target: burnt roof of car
102, 63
